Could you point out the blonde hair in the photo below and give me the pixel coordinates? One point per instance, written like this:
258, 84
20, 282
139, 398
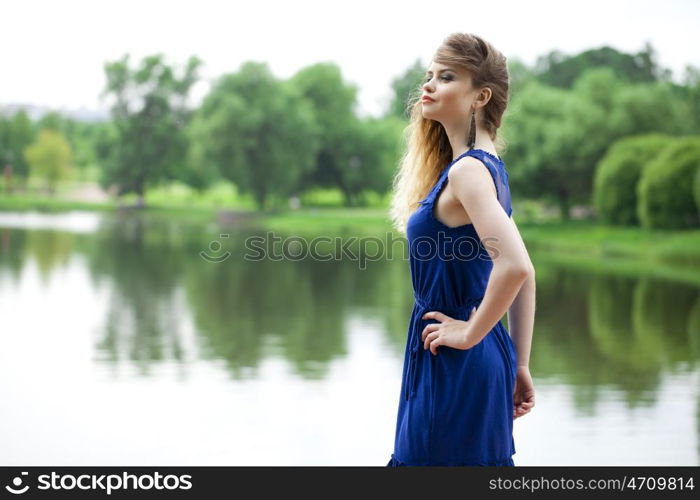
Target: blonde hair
428, 149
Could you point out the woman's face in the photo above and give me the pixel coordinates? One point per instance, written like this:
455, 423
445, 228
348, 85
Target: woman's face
452, 94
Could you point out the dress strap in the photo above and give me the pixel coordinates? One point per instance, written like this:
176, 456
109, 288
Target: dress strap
495, 168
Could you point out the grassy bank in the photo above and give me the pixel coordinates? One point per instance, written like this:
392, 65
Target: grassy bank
598, 240
44, 204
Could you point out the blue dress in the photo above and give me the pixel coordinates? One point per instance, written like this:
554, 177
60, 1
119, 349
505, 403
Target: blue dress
455, 407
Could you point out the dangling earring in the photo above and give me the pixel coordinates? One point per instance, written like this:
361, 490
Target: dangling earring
472, 132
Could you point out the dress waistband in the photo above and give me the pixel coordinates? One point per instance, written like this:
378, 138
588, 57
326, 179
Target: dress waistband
428, 304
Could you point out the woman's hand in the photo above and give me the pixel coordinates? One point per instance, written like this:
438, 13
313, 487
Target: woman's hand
449, 332
524, 393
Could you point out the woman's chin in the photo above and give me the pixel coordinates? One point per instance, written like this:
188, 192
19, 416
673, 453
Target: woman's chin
428, 115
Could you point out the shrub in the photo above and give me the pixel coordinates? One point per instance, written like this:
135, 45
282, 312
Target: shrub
665, 189
617, 174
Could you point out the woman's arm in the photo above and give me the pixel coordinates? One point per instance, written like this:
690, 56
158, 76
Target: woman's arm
521, 320
512, 269
521, 317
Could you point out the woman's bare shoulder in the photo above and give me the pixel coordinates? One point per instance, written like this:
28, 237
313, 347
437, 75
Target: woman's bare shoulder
470, 173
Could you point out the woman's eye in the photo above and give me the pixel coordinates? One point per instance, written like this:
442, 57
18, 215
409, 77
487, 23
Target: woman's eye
446, 78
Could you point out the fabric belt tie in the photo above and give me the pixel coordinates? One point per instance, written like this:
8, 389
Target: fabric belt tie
425, 306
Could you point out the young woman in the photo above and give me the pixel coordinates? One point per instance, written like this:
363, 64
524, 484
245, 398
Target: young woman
464, 379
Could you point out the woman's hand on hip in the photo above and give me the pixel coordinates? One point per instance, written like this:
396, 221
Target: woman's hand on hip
449, 332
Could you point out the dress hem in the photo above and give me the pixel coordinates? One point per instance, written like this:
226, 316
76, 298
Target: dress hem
503, 462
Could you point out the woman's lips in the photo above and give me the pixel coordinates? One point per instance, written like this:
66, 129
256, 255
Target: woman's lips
427, 99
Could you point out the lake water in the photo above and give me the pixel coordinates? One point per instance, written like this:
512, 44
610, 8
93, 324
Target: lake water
124, 341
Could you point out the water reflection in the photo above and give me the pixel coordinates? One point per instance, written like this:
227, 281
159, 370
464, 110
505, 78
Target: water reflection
304, 354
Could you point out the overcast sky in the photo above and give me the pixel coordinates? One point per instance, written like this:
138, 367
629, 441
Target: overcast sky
52, 52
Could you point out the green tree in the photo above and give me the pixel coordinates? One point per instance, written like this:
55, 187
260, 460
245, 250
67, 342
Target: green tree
558, 136
559, 70
690, 94
649, 107
532, 126
337, 162
372, 152
150, 116
80, 135
617, 175
257, 132
16, 133
406, 87
665, 188
50, 157
519, 75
